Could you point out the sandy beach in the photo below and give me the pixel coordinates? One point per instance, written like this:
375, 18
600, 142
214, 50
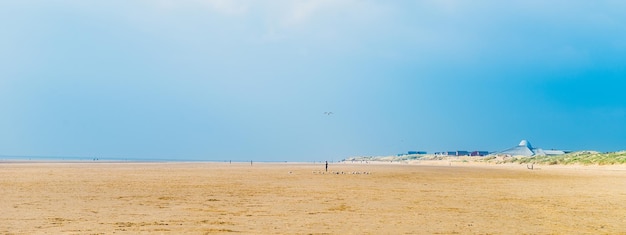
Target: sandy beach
296, 198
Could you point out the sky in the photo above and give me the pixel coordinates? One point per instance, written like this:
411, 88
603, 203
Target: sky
251, 80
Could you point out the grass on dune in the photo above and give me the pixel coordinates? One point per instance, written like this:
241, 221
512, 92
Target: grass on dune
574, 158
581, 158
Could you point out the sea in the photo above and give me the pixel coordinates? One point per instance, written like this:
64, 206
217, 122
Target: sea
10, 158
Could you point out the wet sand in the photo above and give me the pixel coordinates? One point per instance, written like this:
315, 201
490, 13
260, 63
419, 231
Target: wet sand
288, 198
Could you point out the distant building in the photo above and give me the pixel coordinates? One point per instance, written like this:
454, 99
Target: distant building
416, 152
479, 153
453, 153
445, 153
526, 149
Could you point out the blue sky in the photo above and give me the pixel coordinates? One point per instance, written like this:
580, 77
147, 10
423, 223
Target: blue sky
250, 80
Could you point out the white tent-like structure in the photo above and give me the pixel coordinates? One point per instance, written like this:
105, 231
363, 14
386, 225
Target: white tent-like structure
526, 149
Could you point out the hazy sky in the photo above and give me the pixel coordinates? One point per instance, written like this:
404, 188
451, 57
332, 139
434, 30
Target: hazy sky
251, 80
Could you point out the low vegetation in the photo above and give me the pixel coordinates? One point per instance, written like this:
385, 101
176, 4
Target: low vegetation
575, 158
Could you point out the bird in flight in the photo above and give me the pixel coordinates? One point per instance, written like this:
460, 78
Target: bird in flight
328, 113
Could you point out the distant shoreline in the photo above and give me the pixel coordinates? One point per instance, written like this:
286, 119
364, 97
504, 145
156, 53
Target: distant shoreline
14, 160
577, 159
412, 163
84, 160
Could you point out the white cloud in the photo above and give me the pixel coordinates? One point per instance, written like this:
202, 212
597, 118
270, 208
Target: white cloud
302, 11
224, 7
229, 7
282, 13
447, 6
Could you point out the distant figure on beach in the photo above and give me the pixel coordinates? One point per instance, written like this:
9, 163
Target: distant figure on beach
326, 166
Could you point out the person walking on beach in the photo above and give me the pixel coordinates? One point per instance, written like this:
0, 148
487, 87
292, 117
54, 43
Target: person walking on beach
326, 166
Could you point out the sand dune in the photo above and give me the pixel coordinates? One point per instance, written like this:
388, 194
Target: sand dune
219, 198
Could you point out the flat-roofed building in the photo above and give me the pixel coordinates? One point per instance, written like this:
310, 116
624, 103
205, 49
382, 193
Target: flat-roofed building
479, 153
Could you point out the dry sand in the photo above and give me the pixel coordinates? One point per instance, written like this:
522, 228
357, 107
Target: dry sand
220, 198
